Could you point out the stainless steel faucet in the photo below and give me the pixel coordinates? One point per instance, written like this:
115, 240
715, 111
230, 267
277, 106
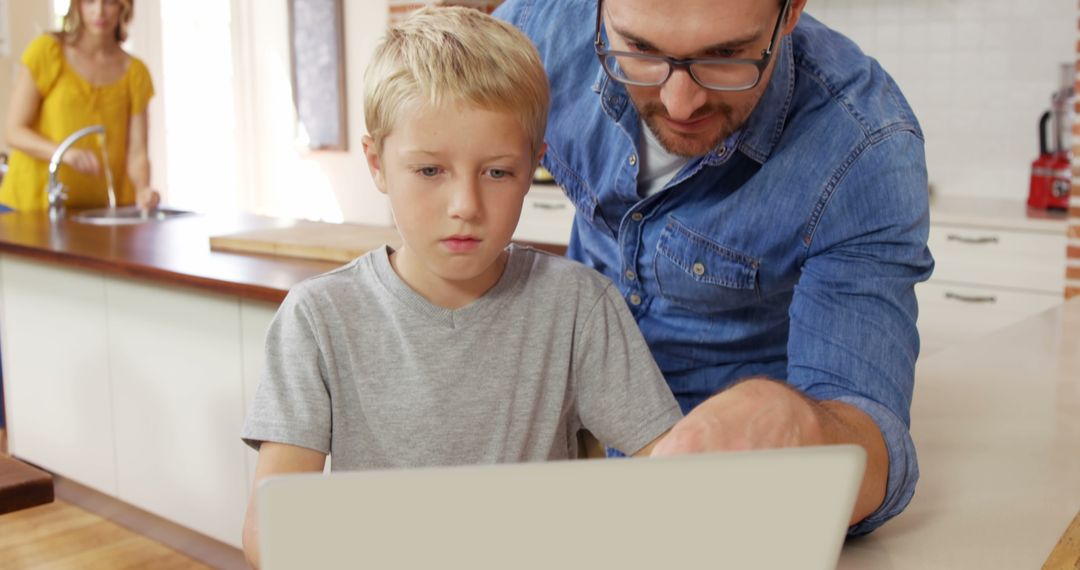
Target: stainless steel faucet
55, 189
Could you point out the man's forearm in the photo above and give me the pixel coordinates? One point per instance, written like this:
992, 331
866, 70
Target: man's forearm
844, 423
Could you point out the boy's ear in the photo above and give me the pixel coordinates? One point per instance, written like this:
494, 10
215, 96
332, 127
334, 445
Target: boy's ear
374, 162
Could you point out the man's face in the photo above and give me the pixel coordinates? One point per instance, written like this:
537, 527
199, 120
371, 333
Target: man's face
686, 118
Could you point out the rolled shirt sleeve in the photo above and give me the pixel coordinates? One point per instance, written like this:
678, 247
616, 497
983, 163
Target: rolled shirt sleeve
853, 335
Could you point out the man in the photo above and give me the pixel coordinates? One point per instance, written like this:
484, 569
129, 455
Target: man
756, 187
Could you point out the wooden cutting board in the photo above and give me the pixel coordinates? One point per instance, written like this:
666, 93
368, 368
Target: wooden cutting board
310, 240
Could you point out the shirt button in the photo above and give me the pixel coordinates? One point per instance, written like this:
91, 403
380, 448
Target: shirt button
635, 299
633, 159
699, 269
637, 216
630, 275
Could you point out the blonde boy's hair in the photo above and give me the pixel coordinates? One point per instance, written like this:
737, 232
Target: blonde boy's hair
455, 55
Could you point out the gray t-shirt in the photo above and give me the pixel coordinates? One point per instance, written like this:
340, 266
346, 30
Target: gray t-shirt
361, 366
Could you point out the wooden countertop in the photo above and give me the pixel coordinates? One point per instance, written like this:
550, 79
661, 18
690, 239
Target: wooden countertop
996, 423
174, 251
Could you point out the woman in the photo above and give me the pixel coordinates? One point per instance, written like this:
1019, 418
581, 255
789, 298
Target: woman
72, 79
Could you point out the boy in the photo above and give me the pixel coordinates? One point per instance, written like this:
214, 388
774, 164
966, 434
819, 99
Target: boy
455, 348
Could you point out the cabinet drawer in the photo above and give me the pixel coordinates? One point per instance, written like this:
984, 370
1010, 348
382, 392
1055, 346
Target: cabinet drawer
949, 314
546, 216
1004, 258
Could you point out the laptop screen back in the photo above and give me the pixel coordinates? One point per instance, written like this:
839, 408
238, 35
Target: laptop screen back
784, 508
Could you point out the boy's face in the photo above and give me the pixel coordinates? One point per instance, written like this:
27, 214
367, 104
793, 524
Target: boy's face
456, 176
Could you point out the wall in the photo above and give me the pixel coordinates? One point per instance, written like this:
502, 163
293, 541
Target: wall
144, 42
284, 180
26, 19
978, 74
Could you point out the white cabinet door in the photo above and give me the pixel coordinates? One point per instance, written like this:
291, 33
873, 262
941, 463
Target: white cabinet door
255, 320
178, 396
998, 257
950, 314
56, 371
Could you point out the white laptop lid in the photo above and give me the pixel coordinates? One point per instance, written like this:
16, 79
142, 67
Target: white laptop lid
786, 508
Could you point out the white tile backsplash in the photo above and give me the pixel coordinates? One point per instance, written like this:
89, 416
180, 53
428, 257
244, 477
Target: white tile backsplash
978, 74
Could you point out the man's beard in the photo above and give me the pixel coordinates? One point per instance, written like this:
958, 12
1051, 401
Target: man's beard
693, 146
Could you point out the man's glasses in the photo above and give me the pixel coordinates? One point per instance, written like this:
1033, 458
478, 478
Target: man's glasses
716, 74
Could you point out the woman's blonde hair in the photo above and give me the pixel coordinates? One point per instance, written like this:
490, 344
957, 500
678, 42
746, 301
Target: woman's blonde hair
73, 24
456, 55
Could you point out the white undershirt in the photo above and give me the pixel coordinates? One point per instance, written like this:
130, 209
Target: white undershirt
658, 166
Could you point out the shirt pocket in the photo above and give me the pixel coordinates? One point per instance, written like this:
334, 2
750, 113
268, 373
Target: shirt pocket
701, 275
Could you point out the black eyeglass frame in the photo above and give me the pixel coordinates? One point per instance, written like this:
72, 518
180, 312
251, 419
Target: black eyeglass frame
676, 63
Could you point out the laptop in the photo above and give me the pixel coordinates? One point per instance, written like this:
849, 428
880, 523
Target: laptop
784, 508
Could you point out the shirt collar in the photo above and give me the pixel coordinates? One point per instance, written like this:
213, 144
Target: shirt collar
766, 123
762, 130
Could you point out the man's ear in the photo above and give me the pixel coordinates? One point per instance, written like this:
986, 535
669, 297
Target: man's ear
540, 155
796, 10
374, 162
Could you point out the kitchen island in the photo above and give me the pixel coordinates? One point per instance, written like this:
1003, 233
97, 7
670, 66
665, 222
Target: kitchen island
131, 353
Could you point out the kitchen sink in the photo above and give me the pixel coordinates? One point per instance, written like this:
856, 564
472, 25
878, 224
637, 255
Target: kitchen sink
124, 215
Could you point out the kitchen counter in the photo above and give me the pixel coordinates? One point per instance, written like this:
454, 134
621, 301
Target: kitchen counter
997, 426
174, 251
1002, 213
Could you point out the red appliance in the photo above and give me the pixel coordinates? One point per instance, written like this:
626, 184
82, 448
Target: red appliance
1051, 173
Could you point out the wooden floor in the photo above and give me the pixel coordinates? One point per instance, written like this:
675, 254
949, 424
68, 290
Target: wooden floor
60, 536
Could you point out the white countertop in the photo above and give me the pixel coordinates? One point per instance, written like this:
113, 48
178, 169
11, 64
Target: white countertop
997, 426
1000, 213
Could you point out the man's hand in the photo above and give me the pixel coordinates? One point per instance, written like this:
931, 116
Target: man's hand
753, 414
759, 413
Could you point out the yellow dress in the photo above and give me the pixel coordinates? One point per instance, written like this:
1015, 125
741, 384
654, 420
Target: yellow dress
68, 103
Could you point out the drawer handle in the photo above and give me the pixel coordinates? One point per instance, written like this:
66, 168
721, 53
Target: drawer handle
971, 298
976, 241
543, 206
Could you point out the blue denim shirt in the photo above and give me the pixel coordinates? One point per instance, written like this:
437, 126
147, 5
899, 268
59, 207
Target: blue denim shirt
790, 251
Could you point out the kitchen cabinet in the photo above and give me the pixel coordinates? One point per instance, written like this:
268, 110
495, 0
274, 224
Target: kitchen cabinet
131, 356
136, 389
175, 370
995, 264
53, 333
